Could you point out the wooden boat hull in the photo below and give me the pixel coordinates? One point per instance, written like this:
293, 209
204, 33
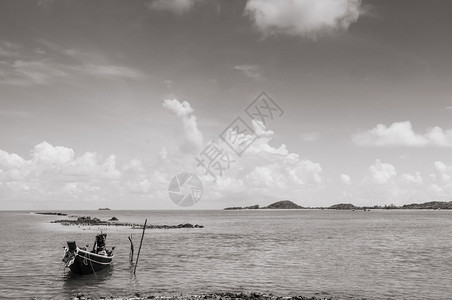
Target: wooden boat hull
87, 262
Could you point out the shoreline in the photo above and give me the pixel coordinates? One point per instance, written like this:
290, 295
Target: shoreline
217, 295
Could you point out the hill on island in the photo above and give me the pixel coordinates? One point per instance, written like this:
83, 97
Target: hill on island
429, 205
284, 204
342, 206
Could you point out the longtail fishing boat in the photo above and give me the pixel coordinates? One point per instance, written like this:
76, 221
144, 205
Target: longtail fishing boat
82, 261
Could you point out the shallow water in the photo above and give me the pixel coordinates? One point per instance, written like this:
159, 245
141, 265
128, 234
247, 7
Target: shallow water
345, 254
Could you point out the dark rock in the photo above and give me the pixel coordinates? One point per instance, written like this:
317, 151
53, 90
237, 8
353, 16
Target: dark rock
88, 221
51, 213
186, 225
239, 208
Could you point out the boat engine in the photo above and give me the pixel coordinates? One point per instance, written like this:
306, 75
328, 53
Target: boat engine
69, 253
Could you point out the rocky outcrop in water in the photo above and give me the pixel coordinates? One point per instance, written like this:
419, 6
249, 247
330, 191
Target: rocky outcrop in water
51, 213
239, 208
89, 221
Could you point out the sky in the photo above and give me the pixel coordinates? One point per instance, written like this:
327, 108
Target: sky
103, 103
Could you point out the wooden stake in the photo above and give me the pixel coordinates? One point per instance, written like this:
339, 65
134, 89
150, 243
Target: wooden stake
131, 249
139, 249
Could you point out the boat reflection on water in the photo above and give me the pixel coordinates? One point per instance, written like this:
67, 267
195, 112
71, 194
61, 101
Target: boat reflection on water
92, 283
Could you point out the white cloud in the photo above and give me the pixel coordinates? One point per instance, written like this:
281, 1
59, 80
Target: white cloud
345, 179
175, 6
10, 161
31, 72
181, 109
134, 165
54, 172
302, 17
251, 71
45, 153
22, 67
382, 173
8, 49
108, 71
163, 154
443, 172
266, 172
402, 134
192, 140
414, 179
42, 72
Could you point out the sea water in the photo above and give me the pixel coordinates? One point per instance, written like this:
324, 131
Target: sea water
378, 254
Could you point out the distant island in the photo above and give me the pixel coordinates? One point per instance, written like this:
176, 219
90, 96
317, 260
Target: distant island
104, 208
286, 204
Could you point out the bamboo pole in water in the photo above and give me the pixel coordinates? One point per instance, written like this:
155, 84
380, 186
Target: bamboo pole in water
139, 249
131, 249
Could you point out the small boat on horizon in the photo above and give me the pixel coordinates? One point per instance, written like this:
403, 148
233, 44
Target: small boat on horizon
82, 261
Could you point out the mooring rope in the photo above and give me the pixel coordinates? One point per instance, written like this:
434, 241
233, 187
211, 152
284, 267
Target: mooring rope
85, 260
91, 263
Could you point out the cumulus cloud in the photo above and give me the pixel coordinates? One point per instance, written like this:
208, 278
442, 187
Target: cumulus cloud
385, 185
55, 171
302, 17
382, 173
192, 139
175, 6
345, 179
180, 109
402, 134
413, 179
264, 171
51, 155
442, 172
